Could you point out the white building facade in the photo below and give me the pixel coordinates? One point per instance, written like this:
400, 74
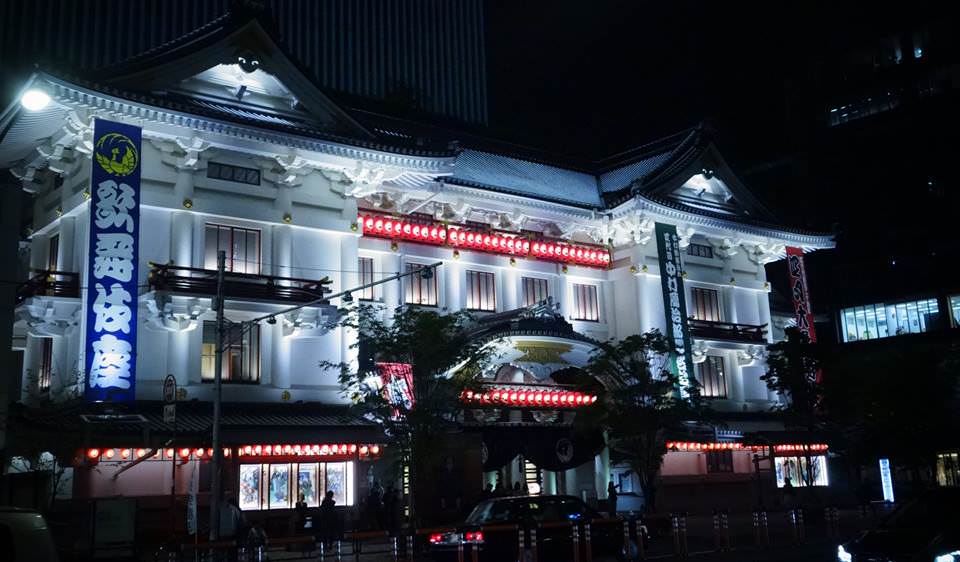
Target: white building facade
242, 153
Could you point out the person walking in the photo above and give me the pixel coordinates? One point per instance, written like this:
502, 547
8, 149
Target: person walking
328, 520
612, 496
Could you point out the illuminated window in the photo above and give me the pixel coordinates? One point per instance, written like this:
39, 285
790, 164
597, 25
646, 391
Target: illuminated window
585, 304
420, 289
705, 304
796, 469
481, 291
241, 355
242, 246
882, 320
535, 290
948, 469
366, 277
228, 172
45, 372
713, 381
700, 250
955, 310
719, 461
265, 486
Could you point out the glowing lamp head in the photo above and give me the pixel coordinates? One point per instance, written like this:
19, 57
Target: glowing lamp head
93, 453
374, 449
364, 450
184, 453
109, 453
124, 453
34, 100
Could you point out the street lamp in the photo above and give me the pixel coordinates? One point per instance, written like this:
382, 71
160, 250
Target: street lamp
34, 99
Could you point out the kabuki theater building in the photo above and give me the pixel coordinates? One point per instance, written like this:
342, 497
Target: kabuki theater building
143, 170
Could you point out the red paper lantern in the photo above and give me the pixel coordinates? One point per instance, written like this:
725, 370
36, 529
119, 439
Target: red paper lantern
93, 453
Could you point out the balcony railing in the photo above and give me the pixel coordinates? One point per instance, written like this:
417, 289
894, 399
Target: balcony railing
727, 331
194, 280
47, 283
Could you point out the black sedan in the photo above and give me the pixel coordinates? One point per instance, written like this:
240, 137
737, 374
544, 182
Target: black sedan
492, 528
926, 529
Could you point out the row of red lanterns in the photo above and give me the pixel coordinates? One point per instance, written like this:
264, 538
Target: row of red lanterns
123, 454
535, 398
687, 446
363, 450
464, 237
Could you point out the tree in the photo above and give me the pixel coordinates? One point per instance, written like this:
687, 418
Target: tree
792, 367
444, 358
642, 407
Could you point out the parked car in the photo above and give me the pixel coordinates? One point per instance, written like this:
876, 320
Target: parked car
24, 536
926, 529
531, 512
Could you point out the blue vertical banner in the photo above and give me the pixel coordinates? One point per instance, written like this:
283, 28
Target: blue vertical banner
675, 304
111, 336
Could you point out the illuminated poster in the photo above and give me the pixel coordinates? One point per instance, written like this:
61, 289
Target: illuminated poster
397, 381
279, 489
886, 480
307, 484
799, 292
250, 486
674, 303
111, 324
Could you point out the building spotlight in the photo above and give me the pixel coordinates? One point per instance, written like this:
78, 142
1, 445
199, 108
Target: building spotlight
272, 320
34, 99
347, 298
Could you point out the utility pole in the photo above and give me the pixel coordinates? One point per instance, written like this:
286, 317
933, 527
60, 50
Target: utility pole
217, 375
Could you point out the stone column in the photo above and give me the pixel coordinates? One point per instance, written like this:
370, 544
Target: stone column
451, 274
65, 261
280, 366
393, 291
570, 483
181, 238
735, 378
510, 289
282, 257
728, 295
349, 277
183, 188
763, 305
601, 464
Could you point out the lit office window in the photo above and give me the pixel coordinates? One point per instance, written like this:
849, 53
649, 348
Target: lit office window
948, 469
481, 292
241, 355
242, 246
705, 304
535, 290
955, 310
883, 320
798, 470
713, 381
585, 304
420, 289
366, 277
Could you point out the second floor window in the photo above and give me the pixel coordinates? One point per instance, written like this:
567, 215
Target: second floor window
242, 246
366, 277
45, 371
705, 305
700, 250
719, 461
481, 294
585, 303
241, 354
420, 289
713, 381
534, 290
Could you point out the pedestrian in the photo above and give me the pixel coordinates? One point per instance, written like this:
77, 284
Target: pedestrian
487, 492
375, 519
789, 492
328, 520
612, 496
232, 521
516, 488
256, 537
391, 502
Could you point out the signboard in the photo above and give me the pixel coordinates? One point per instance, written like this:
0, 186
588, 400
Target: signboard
111, 323
674, 304
397, 381
886, 480
169, 390
169, 413
799, 292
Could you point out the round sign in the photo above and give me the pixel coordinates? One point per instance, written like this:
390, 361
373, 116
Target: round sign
564, 450
170, 389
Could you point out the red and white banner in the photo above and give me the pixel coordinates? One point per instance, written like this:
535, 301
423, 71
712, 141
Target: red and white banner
800, 293
397, 380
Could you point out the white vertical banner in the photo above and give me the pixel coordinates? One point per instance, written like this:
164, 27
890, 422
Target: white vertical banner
192, 498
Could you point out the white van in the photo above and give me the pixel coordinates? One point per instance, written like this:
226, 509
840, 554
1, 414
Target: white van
24, 536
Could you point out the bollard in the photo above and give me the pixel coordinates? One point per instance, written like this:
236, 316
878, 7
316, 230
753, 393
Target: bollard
765, 527
716, 532
756, 529
520, 546
801, 526
725, 530
588, 548
626, 539
322, 550
683, 535
534, 547
460, 549
638, 527
576, 543
475, 553
792, 519
410, 545
396, 550
675, 528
